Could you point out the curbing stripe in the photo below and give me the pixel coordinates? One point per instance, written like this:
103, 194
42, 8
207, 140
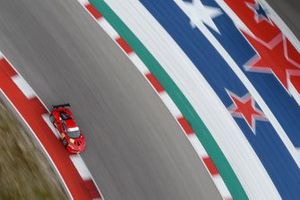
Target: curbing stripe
123, 44
6, 67
138, 63
170, 105
86, 175
210, 166
154, 82
92, 188
96, 14
184, 124
47, 120
81, 167
33, 113
197, 145
24, 86
108, 28
222, 187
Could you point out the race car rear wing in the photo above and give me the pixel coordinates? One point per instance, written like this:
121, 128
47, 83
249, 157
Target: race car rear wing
61, 105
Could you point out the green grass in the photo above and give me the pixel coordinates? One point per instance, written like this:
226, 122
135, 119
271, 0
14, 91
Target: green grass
24, 171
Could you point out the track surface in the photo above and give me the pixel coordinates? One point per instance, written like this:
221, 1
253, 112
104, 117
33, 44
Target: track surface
135, 149
289, 11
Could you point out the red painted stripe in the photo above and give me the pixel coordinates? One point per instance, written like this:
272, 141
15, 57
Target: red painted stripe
295, 80
210, 166
154, 82
90, 185
32, 110
93, 11
6, 68
124, 45
185, 125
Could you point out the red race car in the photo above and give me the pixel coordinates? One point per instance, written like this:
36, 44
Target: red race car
71, 136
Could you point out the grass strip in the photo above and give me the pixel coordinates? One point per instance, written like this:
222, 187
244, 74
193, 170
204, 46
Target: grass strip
24, 171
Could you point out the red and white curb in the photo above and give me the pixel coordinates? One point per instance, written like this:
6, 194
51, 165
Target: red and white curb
79, 164
86, 176
72, 171
184, 124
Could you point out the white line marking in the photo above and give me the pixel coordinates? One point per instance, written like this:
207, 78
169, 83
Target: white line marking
81, 167
197, 145
108, 28
49, 123
23, 86
221, 186
170, 104
138, 63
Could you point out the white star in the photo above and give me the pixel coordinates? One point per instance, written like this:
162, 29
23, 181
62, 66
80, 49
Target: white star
199, 14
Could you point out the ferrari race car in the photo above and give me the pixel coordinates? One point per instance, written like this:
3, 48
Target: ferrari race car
71, 135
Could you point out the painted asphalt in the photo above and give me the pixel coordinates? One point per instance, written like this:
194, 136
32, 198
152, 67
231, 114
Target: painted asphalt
135, 149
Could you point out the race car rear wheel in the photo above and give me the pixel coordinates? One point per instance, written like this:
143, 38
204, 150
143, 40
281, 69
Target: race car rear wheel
65, 143
51, 119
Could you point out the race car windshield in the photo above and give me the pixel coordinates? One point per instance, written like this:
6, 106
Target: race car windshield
65, 116
73, 132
